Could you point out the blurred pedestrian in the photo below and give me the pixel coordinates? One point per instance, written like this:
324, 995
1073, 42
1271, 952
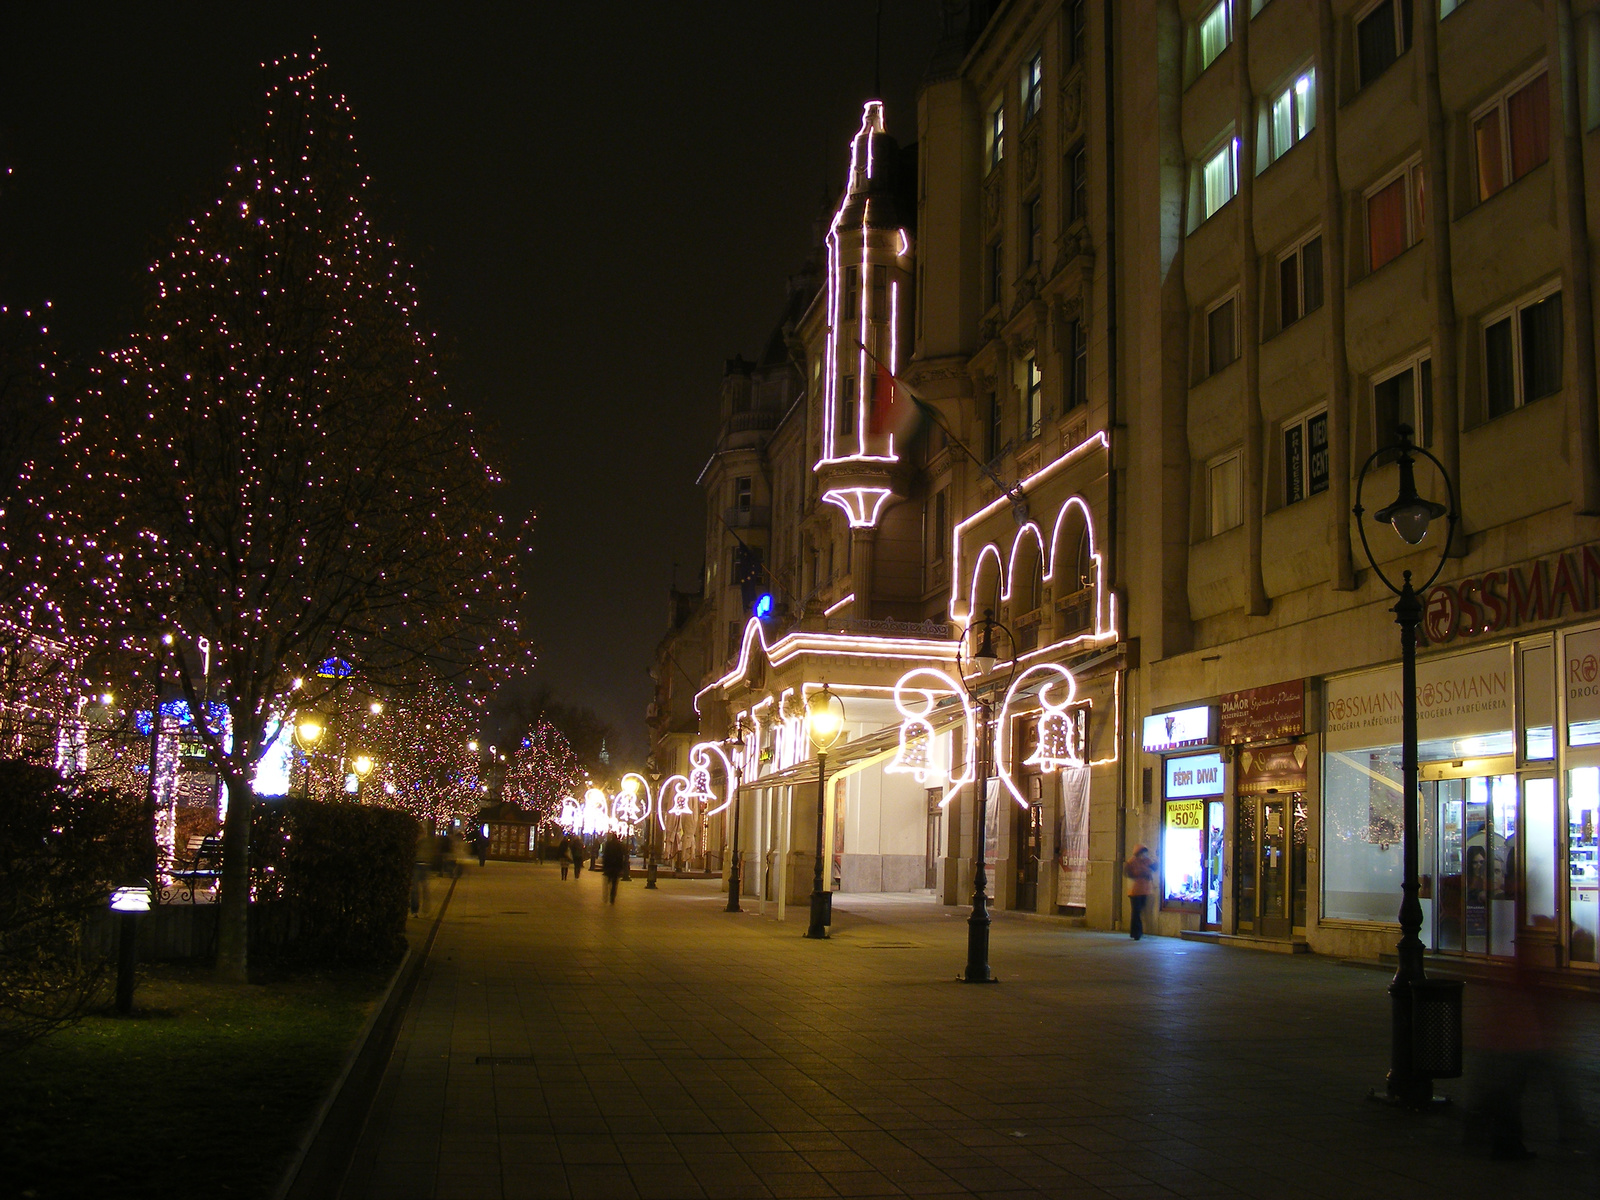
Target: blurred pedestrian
481, 844
575, 847
1141, 873
613, 861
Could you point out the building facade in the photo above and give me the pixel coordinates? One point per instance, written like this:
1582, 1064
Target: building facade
1161, 282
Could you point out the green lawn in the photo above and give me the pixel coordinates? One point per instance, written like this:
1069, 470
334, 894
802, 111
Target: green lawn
204, 1091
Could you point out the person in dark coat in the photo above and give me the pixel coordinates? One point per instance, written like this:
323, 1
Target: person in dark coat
613, 862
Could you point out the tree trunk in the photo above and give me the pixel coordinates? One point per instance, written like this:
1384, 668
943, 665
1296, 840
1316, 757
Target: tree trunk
233, 926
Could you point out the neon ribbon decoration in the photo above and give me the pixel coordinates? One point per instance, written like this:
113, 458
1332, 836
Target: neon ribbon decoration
699, 786
1055, 748
680, 806
918, 754
628, 806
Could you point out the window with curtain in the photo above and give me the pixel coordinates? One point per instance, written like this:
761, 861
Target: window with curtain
1294, 113
1225, 493
1383, 34
994, 133
1511, 134
1222, 335
1032, 86
1522, 353
1216, 32
1219, 178
1395, 210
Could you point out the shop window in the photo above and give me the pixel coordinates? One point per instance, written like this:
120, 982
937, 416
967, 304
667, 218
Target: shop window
1294, 113
1383, 34
1300, 281
1077, 355
1395, 211
1222, 334
1189, 782
1032, 86
1305, 456
1511, 134
1219, 178
1215, 32
994, 134
1403, 395
1522, 353
1223, 487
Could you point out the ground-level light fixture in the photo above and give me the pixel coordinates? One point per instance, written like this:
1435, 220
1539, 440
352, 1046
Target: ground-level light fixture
129, 903
824, 726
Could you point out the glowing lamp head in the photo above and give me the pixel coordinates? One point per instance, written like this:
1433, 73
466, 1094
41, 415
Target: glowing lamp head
107, 699
1411, 513
630, 784
824, 718
362, 764
376, 707
131, 899
308, 732
473, 747
985, 658
594, 796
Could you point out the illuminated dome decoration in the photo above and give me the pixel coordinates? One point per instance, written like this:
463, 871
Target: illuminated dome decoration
868, 289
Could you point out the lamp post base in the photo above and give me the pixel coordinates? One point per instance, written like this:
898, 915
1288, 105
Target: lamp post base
734, 884
978, 947
821, 914
650, 877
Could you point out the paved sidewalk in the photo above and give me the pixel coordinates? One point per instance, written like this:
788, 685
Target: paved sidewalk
662, 1048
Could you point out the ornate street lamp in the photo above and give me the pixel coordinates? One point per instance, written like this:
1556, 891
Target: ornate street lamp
985, 659
735, 745
824, 726
653, 769
1410, 1081
307, 731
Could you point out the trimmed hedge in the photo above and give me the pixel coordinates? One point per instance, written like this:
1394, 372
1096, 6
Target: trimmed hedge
331, 881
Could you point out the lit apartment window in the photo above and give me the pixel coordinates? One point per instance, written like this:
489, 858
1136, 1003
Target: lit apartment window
1395, 212
852, 289
847, 406
1383, 34
1294, 113
1219, 178
1403, 395
1522, 352
1032, 86
1511, 134
1078, 25
994, 134
741, 493
1300, 281
1225, 493
1033, 229
1305, 456
1222, 334
1077, 184
1216, 31
1077, 346
1032, 398
996, 272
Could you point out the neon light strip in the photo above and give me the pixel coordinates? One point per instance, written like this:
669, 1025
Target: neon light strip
1002, 753
838, 604
854, 503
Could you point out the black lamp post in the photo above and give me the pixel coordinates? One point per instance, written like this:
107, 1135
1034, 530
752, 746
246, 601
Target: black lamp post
1410, 515
653, 829
129, 903
824, 726
735, 747
985, 659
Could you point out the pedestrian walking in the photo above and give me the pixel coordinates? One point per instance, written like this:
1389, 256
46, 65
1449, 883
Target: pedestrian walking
1141, 873
576, 848
482, 845
613, 861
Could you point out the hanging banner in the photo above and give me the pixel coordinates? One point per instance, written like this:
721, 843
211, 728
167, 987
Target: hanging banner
1072, 839
1459, 696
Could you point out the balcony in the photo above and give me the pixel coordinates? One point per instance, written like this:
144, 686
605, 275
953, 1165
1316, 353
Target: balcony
759, 517
758, 420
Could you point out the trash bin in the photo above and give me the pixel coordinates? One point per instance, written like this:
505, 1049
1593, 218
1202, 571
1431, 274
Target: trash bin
1436, 1028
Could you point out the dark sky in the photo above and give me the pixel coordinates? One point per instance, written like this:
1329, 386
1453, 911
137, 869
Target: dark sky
604, 200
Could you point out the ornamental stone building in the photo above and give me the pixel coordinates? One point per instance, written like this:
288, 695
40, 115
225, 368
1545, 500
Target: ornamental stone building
1108, 355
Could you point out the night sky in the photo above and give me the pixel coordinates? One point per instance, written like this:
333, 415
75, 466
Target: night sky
604, 201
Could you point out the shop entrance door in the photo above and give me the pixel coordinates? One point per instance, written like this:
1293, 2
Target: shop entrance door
1211, 915
1029, 826
1475, 840
1270, 864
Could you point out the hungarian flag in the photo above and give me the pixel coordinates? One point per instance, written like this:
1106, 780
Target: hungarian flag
893, 408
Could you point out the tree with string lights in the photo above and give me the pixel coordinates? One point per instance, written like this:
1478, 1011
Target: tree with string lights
539, 770
428, 755
280, 469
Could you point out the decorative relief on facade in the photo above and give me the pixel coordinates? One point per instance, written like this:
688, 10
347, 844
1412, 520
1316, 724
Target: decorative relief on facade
1028, 157
994, 193
1071, 105
1074, 244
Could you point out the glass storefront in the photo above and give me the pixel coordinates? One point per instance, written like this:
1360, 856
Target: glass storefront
1191, 835
1492, 835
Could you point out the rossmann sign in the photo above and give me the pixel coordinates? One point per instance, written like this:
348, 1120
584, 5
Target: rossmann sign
1547, 589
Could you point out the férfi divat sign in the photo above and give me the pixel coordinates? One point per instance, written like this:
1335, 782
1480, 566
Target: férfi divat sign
1458, 696
1194, 775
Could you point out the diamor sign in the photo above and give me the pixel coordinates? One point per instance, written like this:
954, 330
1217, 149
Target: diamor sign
1263, 714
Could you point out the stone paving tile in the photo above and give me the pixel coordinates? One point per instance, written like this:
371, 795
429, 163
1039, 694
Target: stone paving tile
666, 1050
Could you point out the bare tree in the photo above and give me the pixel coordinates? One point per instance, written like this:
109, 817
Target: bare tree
278, 468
